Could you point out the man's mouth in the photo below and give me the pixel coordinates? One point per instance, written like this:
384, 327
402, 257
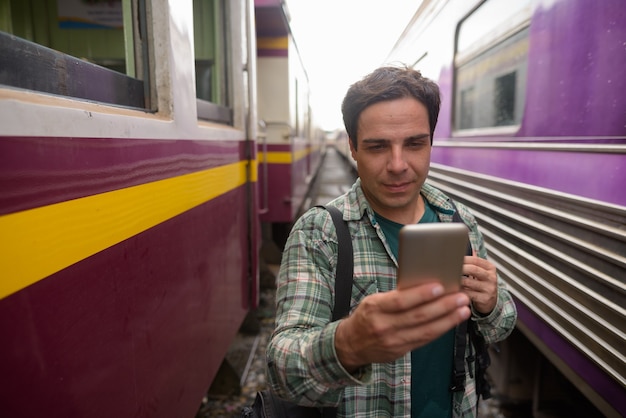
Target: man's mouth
397, 187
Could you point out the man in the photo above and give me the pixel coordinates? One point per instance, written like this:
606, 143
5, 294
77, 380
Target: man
393, 355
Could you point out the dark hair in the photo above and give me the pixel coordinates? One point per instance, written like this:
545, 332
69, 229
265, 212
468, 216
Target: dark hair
389, 83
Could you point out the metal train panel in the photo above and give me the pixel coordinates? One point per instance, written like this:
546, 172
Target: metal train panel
562, 258
532, 136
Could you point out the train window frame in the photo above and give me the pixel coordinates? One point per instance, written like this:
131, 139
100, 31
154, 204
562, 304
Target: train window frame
479, 48
213, 105
28, 65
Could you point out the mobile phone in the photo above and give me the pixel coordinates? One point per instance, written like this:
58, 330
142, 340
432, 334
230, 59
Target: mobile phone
432, 252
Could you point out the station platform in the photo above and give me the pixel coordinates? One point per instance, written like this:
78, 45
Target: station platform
335, 177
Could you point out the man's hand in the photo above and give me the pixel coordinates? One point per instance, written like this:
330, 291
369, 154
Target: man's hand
385, 326
480, 283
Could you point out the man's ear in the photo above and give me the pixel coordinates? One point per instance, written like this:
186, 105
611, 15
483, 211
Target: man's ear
352, 150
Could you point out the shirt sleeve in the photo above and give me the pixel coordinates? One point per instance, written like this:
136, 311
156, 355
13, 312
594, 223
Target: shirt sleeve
302, 364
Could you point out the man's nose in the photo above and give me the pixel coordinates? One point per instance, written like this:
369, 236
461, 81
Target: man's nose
397, 160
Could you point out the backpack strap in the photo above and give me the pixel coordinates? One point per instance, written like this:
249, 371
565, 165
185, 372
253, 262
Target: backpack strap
483, 360
460, 336
345, 265
481, 357
458, 372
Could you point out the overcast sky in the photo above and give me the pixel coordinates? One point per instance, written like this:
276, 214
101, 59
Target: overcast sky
341, 41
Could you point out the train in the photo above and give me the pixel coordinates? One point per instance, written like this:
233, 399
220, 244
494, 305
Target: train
532, 137
144, 145
291, 144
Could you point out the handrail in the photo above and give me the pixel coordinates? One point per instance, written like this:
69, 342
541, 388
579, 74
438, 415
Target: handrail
262, 135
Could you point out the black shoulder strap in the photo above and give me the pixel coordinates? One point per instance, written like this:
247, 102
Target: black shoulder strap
460, 336
481, 358
460, 344
345, 265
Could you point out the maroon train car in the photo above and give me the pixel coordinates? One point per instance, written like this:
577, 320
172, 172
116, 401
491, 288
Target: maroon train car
128, 206
291, 145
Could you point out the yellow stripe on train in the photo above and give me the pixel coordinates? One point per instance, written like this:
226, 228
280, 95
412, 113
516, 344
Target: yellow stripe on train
282, 157
278, 42
39, 242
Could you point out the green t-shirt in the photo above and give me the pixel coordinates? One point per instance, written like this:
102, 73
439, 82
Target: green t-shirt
431, 365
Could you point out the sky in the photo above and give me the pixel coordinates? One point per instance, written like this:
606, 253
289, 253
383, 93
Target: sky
340, 41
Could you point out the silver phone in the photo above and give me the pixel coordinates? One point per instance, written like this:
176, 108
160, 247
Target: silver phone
430, 252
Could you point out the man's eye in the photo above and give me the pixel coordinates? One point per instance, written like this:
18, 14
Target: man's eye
417, 144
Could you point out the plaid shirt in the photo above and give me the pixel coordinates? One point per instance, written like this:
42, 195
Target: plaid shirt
302, 364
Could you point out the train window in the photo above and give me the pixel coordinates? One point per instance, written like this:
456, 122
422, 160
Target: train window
210, 48
467, 107
504, 99
491, 61
72, 48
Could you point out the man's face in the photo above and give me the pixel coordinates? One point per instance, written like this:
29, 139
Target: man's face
393, 157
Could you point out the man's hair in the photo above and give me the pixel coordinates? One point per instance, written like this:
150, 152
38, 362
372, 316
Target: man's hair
389, 83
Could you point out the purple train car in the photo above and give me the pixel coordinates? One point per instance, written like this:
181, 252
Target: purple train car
128, 209
532, 136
